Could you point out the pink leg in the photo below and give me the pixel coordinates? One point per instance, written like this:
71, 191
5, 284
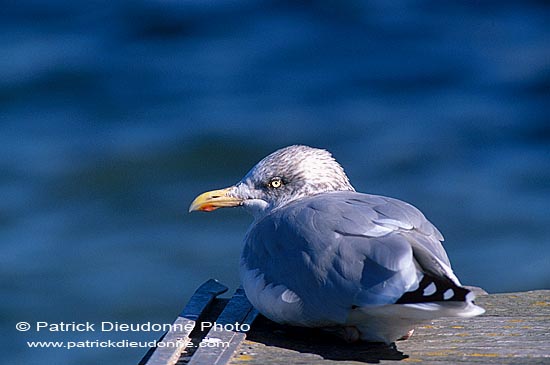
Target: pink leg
348, 334
407, 336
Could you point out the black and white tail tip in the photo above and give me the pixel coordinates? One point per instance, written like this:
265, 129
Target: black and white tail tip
433, 289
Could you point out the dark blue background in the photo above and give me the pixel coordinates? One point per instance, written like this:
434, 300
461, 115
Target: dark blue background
114, 115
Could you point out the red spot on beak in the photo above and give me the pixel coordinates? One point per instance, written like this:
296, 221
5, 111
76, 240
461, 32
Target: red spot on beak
208, 208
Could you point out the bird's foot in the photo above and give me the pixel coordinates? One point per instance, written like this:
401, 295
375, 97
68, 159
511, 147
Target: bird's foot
349, 333
407, 336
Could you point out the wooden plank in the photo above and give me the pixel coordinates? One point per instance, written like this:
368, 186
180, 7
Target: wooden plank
228, 332
175, 341
514, 330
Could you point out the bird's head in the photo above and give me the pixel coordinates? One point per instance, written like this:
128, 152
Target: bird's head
285, 175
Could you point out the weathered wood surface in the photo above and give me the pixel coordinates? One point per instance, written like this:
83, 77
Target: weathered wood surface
184, 325
514, 330
237, 311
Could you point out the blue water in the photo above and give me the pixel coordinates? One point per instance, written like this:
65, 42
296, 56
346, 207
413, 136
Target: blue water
115, 115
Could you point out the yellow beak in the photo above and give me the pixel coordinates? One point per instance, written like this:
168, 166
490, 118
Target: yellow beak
212, 200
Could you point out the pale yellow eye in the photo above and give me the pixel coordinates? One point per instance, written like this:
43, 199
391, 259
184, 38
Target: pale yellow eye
276, 182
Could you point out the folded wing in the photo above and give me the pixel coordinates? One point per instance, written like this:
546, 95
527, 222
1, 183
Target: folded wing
316, 260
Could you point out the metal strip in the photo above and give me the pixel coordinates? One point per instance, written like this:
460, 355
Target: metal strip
175, 341
220, 344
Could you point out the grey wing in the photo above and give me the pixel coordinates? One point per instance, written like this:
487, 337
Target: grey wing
424, 238
339, 250
400, 216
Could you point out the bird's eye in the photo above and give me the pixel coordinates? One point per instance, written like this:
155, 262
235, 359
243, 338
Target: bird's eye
275, 183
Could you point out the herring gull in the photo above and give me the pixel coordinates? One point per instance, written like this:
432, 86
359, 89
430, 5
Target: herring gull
320, 254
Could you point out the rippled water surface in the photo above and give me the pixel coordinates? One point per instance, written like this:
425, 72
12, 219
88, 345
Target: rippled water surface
114, 115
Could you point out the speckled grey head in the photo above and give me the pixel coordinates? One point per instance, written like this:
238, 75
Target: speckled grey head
288, 174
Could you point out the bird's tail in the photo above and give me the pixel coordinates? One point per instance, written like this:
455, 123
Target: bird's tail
387, 323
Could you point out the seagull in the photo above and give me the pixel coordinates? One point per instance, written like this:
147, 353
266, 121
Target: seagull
319, 254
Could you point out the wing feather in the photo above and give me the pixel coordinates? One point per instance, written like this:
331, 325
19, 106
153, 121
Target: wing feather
339, 250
